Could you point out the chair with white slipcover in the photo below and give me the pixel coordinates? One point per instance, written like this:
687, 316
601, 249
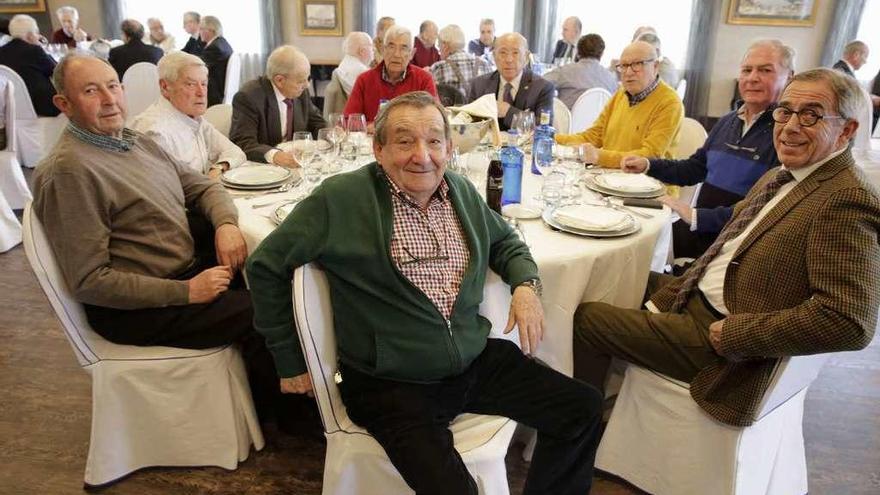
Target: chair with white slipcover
141, 82
220, 116
151, 406
561, 117
233, 77
355, 463
587, 107
13, 185
35, 135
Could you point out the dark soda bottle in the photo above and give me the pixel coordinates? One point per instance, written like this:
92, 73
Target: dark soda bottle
494, 183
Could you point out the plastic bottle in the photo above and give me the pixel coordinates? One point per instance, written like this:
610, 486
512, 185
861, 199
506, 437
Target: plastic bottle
382, 103
494, 183
512, 162
543, 132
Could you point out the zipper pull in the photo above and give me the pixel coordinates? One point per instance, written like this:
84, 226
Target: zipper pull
449, 327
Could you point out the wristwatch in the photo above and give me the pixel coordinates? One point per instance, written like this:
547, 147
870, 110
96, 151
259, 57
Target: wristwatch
534, 284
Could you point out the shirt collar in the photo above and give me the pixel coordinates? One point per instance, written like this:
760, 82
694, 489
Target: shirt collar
278, 96
640, 96
167, 107
851, 68
387, 78
108, 143
804, 172
515, 82
441, 194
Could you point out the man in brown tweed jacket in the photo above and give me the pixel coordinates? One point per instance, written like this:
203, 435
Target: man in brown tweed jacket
798, 271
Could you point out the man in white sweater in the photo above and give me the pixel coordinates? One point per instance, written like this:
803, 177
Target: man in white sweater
175, 120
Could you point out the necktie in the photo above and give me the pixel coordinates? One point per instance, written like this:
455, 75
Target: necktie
734, 228
288, 132
508, 97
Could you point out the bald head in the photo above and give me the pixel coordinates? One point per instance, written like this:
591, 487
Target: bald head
428, 33
359, 45
288, 69
638, 67
511, 51
90, 94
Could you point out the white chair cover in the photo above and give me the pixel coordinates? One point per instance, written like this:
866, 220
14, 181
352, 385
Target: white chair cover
660, 440
10, 229
587, 107
233, 77
561, 117
681, 89
355, 463
35, 135
862, 139
334, 96
151, 406
13, 185
691, 135
220, 116
141, 82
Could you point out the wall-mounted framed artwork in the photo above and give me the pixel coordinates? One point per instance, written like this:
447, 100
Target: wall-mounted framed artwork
21, 6
773, 12
320, 17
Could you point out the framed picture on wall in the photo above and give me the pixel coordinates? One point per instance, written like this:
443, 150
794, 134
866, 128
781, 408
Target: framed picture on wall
320, 17
19, 6
773, 12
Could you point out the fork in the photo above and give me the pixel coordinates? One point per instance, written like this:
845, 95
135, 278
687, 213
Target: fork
615, 206
282, 189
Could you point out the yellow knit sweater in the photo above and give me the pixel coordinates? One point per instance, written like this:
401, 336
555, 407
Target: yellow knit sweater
649, 129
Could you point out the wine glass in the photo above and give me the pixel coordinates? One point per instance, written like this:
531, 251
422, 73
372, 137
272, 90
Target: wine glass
357, 130
525, 125
543, 153
336, 121
325, 146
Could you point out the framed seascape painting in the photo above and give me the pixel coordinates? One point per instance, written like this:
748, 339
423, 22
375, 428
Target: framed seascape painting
19, 6
773, 12
320, 17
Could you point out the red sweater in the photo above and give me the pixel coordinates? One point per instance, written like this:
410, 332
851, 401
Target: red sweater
424, 56
369, 88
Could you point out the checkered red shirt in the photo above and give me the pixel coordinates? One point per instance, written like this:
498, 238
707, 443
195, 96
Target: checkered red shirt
429, 246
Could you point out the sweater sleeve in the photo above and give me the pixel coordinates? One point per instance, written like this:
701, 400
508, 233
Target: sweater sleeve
355, 103
297, 241
712, 220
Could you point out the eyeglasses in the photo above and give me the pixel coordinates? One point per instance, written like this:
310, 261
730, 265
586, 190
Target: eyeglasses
635, 66
437, 256
806, 117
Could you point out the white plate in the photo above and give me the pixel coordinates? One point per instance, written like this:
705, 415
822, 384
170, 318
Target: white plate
578, 215
521, 211
282, 211
590, 182
262, 175
628, 183
549, 220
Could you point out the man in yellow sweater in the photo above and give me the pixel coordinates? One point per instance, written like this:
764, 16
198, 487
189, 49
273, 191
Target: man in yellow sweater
642, 117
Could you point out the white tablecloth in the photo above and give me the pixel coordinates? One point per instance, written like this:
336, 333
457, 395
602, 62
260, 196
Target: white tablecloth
573, 269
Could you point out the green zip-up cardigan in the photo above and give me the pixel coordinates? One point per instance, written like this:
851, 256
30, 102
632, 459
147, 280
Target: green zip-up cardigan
384, 325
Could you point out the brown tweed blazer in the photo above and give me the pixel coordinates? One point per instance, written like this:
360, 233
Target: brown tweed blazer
806, 280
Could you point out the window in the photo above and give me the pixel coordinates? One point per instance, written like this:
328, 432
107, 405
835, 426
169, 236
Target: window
240, 19
616, 21
465, 13
869, 33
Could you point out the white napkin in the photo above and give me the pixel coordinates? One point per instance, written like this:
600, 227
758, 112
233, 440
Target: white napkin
595, 218
628, 182
484, 106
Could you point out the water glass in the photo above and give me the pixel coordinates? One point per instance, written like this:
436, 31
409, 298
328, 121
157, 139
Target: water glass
356, 125
551, 191
303, 147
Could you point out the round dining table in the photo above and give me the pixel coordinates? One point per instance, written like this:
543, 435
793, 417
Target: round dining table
573, 268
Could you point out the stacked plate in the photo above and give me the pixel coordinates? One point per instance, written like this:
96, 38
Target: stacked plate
282, 211
593, 221
256, 177
626, 185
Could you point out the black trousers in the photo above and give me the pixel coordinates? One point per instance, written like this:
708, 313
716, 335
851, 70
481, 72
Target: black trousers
411, 420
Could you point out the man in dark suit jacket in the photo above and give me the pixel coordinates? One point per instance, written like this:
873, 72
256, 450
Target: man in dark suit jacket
571, 32
796, 270
26, 57
194, 45
855, 54
134, 50
269, 109
515, 89
216, 55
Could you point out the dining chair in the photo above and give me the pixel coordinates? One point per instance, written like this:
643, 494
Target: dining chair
13, 185
661, 441
681, 89
141, 83
220, 116
151, 406
233, 78
862, 138
334, 97
355, 463
35, 135
587, 107
561, 117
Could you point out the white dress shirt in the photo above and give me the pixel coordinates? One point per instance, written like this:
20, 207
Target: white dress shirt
712, 281
513, 90
167, 45
348, 71
193, 142
282, 112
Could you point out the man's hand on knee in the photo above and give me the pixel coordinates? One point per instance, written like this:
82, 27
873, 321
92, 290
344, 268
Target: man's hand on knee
206, 286
300, 384
230, 246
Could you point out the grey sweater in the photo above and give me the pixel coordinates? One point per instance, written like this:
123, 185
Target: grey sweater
117, 223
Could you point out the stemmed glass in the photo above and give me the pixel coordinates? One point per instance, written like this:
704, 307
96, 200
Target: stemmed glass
303, 149
327, 146
336, 122
357, 130
544, 160
524, 122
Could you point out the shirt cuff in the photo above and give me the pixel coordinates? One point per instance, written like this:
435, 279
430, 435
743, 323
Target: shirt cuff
270, 155
694, 217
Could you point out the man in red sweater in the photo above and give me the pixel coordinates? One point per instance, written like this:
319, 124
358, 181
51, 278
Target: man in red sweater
394, 76
426, 52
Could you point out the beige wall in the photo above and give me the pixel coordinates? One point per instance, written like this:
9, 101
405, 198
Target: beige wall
318, 48
731, 42
90, 14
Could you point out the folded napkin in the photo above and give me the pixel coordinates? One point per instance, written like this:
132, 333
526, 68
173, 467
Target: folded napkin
628, 182
595, 218
485, 106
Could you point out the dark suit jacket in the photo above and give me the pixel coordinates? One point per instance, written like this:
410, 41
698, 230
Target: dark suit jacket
535, 94
256, 123
560, 49
216, 56
35, 67
194, 46
844, 67
805, 280
123, 57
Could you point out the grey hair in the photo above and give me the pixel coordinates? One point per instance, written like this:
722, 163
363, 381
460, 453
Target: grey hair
283, 60
786, 53
22, 25
854, 47
415, 99
651, 39
192, 15
67, 9
132, 29
487, 22
396, 31
577, 23
850, 99
453, 36
384, 20
212, 23
60, 72
171, 65
350, 45
425, 25
155, 19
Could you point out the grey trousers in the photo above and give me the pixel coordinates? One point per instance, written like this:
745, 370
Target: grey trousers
675, 344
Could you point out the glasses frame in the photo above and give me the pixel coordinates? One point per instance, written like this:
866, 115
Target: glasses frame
438, 256
799, 114
621, 68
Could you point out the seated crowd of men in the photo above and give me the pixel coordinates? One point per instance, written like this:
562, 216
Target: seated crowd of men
148, 240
